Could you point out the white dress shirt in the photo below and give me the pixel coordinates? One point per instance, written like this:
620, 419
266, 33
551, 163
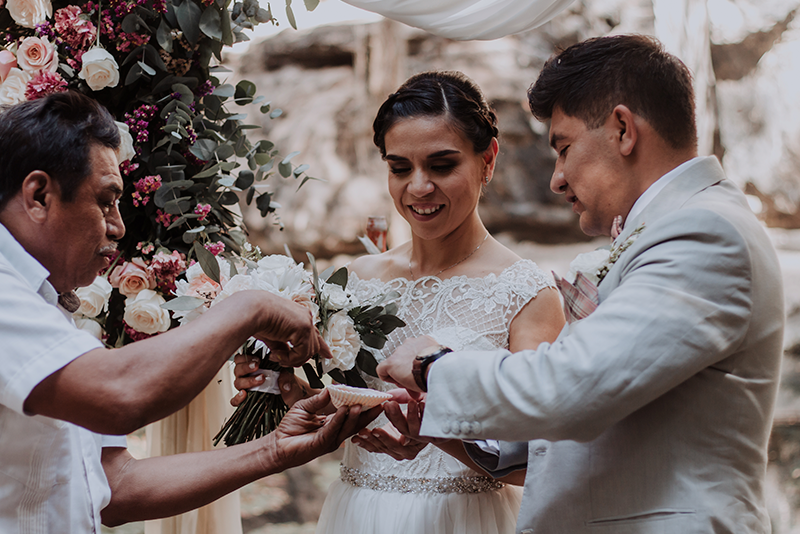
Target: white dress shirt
51, 477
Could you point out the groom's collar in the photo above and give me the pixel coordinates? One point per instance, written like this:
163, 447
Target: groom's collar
672, 190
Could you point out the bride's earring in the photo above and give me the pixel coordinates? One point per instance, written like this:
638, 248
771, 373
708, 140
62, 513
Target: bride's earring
486, 180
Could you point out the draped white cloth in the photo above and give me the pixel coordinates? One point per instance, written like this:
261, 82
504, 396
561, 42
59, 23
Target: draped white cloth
467, 19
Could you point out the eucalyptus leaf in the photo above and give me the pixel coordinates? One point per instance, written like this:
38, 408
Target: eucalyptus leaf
263, 204
188, 14
224, 91
207, 261
178, 205
147, 68
290, 16
211, 23
183, 304
339, 278
227, 181
352, 378
289, 157
367, 362
211, 171
224, 151
163, 36
275, 113
311, 376
203, 149
246, 179
301, 169
285, 169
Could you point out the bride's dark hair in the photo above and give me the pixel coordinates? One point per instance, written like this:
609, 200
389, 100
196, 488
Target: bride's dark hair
435, 93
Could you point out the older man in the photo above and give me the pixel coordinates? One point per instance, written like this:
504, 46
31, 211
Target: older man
658, 405
59, 186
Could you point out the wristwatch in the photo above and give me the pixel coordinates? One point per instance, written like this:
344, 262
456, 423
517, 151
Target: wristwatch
423, 360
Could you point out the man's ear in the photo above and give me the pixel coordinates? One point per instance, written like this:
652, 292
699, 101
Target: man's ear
38, 192
625, 128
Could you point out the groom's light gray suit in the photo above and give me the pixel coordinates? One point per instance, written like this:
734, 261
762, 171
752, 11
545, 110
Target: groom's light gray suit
657, 408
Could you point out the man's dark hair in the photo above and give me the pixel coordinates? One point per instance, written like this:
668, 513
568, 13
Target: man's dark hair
435, 93
589, 79
54, 135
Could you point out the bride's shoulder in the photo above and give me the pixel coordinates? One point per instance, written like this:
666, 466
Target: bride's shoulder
386, 266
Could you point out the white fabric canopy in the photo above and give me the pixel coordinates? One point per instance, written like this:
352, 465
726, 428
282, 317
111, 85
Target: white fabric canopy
467, 19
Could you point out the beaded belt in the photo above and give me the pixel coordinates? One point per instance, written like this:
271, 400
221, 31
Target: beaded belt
479, 484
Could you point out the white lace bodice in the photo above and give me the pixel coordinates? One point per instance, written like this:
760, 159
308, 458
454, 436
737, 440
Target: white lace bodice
461, 312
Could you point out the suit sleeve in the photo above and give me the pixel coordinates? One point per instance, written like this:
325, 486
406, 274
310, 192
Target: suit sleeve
682, 304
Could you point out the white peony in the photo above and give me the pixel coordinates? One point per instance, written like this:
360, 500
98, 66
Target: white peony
100, 69
588, 263
144, 313
89, 326
338, 298
29, 13
281, 275
199, 285
126, 151
94, 298
343, 341
275, 262
12, 90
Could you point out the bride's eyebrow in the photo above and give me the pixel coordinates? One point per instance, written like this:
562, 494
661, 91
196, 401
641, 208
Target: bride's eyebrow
392, 157
443, 153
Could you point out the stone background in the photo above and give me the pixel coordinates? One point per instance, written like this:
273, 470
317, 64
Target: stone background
330, 80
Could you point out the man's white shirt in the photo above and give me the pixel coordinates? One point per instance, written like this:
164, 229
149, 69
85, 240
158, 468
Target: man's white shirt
51, 476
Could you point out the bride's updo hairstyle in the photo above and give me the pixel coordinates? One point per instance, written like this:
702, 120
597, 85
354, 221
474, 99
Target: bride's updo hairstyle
437, 93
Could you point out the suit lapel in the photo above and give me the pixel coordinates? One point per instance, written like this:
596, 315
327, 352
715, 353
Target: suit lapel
703, 174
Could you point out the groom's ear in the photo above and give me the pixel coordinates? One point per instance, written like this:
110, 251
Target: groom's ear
626, 131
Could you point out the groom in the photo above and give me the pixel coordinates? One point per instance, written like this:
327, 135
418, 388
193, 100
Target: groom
657, 407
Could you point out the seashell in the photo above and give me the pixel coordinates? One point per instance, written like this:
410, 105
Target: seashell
349, 396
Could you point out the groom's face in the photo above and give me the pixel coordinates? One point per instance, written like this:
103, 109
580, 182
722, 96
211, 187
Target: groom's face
588, 171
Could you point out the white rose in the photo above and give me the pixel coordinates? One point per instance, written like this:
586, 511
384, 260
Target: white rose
126, 151
145, 314
94, 298
337, 297
240, 282
588, 264
99, 69
12, 91
29, 13
275, 262
344, 342
89, 326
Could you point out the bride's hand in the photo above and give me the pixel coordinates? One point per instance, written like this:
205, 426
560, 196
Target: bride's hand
388, 440
409, 423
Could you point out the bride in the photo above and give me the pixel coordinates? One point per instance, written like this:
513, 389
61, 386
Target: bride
439, 138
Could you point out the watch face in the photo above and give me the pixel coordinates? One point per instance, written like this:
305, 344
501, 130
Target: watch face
428, 351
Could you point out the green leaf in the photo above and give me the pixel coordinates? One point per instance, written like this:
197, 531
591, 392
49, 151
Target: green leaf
179, 221
146, 68
307, 178
265, 107
133, 74
167, 191
183, 304
301, 169
352, 378
389, 323
211, 23
290, 16
288, 158
229, 199
311, 375
285, 169
132, 23
250, 193
227, 181
263, 15
237, 117
373, 340
207, 261
211, 171
311, 5
367, 363
338, 376
163, 36
275, 113
203, 149
264, 204
178, 205
246, 179
188, 14
225, 26
195, 230
224, 151
244, 92
339, 278
224, 91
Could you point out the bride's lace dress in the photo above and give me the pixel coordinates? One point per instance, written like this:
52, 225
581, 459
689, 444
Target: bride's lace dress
433, 493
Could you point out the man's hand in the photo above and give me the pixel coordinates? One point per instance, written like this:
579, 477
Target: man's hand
292, 388
410, 422
290, 333
305, 433
397, 367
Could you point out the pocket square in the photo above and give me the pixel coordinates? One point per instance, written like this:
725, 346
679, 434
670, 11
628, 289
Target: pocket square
580, 298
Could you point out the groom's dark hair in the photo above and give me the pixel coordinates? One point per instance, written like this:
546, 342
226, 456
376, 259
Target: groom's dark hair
54, 135
589, 79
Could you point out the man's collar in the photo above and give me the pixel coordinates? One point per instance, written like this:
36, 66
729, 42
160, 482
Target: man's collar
26, 265
656, 187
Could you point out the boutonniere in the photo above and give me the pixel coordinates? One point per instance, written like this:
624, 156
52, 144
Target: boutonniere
580, 287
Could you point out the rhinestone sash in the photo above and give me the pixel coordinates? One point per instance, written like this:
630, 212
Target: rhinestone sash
479, 484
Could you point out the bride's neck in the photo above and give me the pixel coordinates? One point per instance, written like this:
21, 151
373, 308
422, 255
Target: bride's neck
434, 256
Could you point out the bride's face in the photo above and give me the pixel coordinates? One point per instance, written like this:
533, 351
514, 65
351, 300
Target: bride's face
435, 175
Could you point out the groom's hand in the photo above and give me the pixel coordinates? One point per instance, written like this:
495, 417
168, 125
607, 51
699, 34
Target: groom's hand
397, 367
306, 433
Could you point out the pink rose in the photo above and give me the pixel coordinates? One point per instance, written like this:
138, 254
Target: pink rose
7, 62
132, 277
35, 54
